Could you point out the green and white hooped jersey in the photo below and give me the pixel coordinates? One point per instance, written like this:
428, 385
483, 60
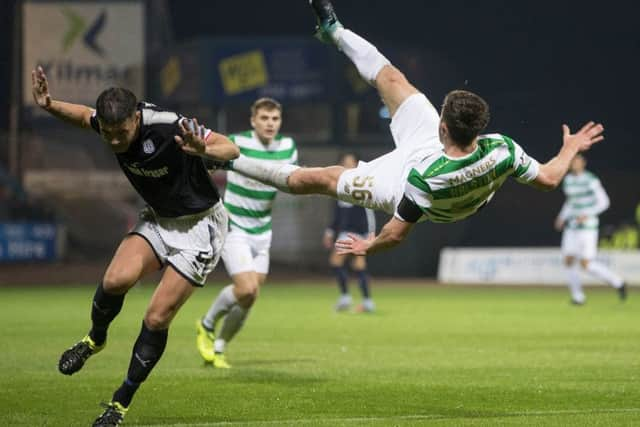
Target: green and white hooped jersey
585, 197
449, 189
248, 201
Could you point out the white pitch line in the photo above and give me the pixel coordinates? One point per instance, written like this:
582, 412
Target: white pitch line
299, 421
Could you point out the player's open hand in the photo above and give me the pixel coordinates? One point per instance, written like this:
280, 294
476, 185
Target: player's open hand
354, 244
590, 134
192, 137
40, 88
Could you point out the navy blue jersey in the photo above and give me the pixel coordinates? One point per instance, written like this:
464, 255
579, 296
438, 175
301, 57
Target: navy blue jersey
172, 182
352, 219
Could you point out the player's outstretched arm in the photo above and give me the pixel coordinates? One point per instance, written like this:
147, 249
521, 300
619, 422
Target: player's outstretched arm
392, 234
197, 140
552, 172
76, 114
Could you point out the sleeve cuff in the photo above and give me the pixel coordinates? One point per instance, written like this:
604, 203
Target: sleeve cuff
408, 211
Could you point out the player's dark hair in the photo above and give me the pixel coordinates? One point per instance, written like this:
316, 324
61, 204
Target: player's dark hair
266, 103
114, 105
466, 115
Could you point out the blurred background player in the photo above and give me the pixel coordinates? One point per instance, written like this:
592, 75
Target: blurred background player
350, 219
161, 154
578, 220
246, 251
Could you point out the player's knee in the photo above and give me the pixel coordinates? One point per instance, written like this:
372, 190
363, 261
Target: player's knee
335, 263
336, 260
390, 75
247, 294
247, 300
157, 319
118, 280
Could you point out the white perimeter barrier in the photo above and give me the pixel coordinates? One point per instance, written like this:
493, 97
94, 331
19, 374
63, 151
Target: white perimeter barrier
525, 266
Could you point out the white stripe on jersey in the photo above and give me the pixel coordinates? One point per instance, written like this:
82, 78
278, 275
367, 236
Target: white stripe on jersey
585, 196
450, 189
249, 201
154, 117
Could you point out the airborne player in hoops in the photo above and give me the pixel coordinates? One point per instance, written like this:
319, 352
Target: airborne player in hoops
441, 170
183, 227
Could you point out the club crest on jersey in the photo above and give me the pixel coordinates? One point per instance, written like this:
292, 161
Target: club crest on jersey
148, 147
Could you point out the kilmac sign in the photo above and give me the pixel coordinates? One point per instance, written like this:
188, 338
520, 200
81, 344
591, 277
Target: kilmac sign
84, 47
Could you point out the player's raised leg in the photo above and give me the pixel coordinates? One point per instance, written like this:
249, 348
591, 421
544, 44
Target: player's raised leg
290, 178
373, 66
133, 259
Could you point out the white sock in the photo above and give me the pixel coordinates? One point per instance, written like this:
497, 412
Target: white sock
266, 172
218, 345
221, 306
575, 284
365, 56
603, 272
233, 322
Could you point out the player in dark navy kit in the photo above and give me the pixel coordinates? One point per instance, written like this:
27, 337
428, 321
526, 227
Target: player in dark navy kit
183, 227
349, 219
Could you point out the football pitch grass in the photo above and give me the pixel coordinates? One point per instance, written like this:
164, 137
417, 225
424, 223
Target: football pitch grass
438, 356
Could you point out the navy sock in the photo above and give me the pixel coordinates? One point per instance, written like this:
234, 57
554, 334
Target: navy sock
104, 309
125, 393
146, 352
342, 277
363, 281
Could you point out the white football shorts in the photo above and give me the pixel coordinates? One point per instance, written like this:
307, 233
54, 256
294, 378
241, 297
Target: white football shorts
243, 252
379, 184
191, 244
580, 243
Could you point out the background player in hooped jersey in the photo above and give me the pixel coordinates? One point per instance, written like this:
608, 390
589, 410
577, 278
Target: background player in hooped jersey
441, 170
184, 226
578, 220
246, 251
350, 219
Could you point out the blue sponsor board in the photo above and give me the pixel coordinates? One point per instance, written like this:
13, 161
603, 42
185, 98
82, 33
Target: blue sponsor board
28, 242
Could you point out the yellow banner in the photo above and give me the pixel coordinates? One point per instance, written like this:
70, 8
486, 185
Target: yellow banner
243, 72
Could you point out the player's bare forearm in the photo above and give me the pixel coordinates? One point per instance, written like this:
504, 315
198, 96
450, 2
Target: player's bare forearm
552, 172
76, 114
219, 147
391, 235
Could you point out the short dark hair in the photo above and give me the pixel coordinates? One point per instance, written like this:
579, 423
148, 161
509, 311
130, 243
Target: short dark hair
466, 115
115, 105
266, 103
